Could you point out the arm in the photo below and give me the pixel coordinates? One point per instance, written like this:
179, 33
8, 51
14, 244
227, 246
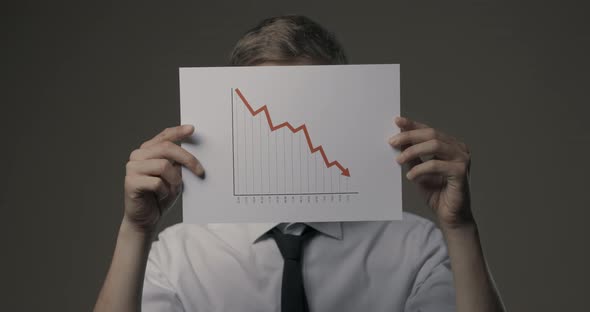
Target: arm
473, 282
152, 182
443, 179
123, 285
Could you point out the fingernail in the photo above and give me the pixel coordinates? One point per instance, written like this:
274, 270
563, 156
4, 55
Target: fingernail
200, 170
188, 128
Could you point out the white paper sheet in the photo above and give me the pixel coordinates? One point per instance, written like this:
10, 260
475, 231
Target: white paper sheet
291, 143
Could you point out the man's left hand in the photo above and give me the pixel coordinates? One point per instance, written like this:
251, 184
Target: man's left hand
439, 164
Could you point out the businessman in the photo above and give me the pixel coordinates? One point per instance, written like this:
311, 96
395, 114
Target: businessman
407, 265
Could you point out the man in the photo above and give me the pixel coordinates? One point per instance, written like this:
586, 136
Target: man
407, 265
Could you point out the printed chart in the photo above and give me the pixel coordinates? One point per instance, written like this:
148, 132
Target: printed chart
291, 143
278, 158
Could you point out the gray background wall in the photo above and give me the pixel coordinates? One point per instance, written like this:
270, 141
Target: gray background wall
85, 84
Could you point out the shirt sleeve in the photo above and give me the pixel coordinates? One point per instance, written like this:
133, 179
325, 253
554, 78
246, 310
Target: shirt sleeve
433, 288
158, 292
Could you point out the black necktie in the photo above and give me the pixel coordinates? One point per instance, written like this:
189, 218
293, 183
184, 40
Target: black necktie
292, 292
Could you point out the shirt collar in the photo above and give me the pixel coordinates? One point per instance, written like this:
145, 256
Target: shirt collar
331, 229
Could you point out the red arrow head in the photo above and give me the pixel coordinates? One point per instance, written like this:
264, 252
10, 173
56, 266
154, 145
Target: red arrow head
346, 172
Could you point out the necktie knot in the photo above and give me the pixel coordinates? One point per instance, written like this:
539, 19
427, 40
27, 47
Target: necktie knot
291, 246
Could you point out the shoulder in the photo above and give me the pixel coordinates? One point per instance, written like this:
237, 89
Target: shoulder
414, 234
414, 221
183, 234
417, 226
177, 240
423, 234
410, 224
179, 232
185, 239
419, 231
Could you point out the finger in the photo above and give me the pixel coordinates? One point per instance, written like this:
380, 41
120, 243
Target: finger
170, 134
408, 124
411, 137
171, 152
139, 184
436, 148
436, 166
162, 168
411, 162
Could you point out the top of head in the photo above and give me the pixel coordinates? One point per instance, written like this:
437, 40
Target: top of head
287, 40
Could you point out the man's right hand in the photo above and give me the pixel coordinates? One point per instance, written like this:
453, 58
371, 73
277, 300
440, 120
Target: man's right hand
153, 177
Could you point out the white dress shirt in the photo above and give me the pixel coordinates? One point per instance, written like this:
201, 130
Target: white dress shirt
348, 266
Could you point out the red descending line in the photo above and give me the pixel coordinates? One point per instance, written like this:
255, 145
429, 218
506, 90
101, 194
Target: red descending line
345, 171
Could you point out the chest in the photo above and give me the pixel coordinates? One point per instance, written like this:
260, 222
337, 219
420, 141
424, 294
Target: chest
337, 277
